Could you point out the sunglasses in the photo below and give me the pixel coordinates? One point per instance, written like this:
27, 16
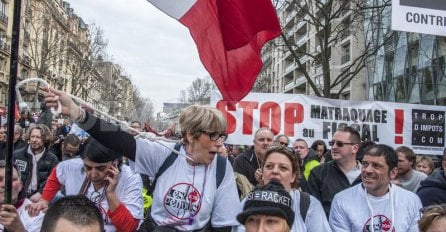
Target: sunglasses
339, 143
214, 136
284, 144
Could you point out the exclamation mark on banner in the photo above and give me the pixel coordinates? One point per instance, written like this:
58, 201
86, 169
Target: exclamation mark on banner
399, 124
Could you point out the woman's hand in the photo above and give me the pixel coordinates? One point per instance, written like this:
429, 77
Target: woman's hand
112, 178
34, 209
69, 108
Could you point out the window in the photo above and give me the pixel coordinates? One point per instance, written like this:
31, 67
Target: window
24, 74
346, 53
2, 64
3, 8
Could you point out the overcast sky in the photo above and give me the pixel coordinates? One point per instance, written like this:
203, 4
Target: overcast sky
155, 50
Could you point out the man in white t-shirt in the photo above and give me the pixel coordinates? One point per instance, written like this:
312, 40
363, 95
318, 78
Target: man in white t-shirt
14, 217
408, 178
376, 204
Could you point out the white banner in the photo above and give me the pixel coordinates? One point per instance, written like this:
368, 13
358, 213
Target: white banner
420, 127
420, 16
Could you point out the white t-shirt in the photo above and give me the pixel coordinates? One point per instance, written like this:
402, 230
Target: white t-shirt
314, 221
70, 173
31, 224
351, 212
186, 197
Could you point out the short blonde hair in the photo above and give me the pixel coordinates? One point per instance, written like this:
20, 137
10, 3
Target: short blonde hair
427, 159
195, 119
430, 215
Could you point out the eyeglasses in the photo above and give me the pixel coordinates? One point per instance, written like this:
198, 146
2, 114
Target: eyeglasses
339, 143
214, 136
284, 144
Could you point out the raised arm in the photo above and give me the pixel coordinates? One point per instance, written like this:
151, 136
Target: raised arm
107, 134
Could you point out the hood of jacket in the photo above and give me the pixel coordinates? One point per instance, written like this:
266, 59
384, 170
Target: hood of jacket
436, 179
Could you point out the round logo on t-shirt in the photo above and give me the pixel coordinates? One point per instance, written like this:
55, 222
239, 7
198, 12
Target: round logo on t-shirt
182, 201
380, 223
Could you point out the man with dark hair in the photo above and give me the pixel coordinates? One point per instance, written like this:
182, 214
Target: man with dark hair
342, 172
408, 177
376, 204
73, 213
136, 126
35, 161
70, 147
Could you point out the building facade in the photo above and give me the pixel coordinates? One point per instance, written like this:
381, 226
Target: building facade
409, 68
325, 53
55, 45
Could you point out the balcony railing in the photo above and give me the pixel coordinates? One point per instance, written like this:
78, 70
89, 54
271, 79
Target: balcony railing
300, 80
289, 86
3, 18
26, 36
290, 16
26, 60
318, 70
290, 68
301, 40
345, 33
4, 46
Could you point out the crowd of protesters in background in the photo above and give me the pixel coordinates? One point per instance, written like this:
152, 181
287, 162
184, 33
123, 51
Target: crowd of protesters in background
57, 158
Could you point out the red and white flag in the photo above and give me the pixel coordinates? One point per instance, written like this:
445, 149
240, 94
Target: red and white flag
229, 35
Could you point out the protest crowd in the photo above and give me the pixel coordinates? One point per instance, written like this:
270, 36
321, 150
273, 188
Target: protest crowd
84, 173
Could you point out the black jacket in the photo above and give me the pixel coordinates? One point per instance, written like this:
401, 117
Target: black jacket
433, 189
19, 144
24, 162
247, 164
325, 181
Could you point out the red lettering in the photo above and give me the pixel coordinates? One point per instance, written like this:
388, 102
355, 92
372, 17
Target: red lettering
294, 113
248, 111
231, 121
270, 116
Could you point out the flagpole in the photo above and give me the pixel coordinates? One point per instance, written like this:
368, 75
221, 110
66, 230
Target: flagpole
13, 67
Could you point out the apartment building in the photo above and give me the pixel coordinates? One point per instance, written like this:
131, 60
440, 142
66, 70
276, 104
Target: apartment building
316, 39
55, 46
117, 92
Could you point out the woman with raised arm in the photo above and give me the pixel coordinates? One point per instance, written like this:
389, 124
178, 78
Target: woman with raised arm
194, 191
